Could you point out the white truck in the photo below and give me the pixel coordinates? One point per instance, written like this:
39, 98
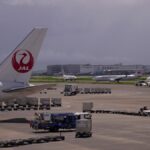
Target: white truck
144, 111
148, 83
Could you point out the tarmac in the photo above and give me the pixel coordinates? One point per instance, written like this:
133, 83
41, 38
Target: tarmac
110, 131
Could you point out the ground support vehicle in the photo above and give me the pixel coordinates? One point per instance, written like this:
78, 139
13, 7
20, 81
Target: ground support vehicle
141, 83
144, 111
33, 140
9, 105
56, 121
70, 90
56, 102
32, 103
96, 91
87, 106
20, 103
44, 104
53, 121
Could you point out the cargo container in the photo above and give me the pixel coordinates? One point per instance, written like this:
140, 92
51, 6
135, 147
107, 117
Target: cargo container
56, 102
83, 125
44, 103
70, 90
87, 106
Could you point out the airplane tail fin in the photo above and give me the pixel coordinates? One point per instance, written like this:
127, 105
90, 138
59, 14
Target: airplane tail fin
18, 65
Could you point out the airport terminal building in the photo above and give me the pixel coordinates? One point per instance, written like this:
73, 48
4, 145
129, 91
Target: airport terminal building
88, 69
63, 69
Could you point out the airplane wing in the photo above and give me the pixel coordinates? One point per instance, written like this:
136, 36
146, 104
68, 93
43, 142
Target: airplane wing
22, 92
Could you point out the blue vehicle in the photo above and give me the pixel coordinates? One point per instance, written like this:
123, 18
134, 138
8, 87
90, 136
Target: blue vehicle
53, 121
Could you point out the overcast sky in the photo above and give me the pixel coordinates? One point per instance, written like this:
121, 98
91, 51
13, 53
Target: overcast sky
80, 31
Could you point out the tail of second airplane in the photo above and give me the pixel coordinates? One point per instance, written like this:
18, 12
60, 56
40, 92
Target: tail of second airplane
62, 70
17, 67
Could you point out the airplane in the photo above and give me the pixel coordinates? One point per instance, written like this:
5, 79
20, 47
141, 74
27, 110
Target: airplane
15, 70
68, 77
109, 77
116, 78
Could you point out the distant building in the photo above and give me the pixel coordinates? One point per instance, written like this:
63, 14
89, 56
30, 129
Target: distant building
88, 69
147, 69
39, 72
123, 69
66, 69
54, 69
71, 69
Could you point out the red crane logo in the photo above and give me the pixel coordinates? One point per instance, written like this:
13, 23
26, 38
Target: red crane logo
22, 61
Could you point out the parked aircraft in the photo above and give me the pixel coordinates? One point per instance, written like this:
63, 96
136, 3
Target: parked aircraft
116, 78
15, 70
69, 77
109, 77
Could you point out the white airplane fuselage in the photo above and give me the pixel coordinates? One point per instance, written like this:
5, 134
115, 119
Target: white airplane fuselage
114, 77
109, 77
69, 77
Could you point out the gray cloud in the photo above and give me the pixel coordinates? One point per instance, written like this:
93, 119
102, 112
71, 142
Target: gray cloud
80, 31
